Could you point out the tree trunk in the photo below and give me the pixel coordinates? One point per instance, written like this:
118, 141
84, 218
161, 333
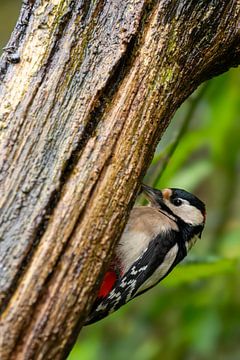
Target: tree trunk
88, 87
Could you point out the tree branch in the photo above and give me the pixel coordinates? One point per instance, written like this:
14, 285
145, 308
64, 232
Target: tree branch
81, 114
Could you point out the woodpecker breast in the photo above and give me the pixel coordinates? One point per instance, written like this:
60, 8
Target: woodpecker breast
144, 224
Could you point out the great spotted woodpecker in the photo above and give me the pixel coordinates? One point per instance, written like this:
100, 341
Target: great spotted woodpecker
156, 238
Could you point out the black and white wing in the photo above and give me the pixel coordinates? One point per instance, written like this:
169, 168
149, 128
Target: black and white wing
156, 262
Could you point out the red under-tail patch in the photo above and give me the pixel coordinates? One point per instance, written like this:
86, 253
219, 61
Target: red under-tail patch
108, 282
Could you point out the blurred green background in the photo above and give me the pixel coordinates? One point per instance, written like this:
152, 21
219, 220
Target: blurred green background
195, 312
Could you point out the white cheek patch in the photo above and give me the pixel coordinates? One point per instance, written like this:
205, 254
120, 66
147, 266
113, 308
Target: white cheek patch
191, 215
188, 213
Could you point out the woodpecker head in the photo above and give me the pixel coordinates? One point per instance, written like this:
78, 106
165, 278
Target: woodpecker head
177, 204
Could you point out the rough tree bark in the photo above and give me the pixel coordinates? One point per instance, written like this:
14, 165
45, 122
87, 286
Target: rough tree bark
87, 89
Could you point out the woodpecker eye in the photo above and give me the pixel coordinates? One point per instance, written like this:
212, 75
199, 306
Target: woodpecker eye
177, 202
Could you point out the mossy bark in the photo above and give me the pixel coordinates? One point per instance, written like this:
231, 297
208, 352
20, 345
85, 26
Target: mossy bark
87, 89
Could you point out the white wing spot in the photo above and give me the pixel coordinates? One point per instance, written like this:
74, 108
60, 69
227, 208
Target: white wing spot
136, 271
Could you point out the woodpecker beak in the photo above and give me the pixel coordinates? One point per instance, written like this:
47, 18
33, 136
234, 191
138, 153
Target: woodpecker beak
155, 197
